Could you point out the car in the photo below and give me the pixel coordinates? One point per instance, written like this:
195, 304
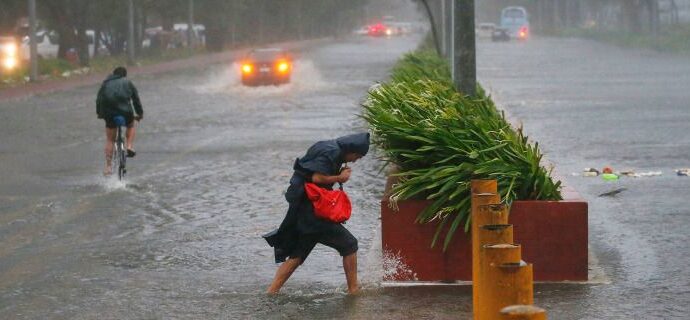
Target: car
266, 66
485, 30
500, 34
362, 31
379, 30
516, 21
9, 54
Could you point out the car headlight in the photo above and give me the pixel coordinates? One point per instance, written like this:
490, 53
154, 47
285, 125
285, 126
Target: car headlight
247, 68
9, 63
10, 49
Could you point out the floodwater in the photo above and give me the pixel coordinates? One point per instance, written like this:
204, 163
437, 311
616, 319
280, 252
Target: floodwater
180, 238
593, 105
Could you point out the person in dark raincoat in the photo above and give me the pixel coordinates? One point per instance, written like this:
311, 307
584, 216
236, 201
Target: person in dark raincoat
301, 230
118, 97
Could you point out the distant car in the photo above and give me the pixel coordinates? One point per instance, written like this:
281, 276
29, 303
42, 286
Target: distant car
516, 21
266, 66
361, 31
500, 34
9, 54
379, 30
485, 30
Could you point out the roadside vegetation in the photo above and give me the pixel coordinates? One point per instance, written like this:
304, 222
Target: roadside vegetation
78, 36
439, 140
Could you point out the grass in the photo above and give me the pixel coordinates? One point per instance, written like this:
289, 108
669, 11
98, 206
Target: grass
440, 140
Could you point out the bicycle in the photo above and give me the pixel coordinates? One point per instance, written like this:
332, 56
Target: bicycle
119, 150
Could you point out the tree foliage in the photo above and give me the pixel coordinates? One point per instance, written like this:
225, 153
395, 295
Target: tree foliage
227, 22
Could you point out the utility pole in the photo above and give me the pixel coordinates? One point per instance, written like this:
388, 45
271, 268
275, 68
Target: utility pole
33, 54
190, 24
464, 68
444, 28
130, 37
448, 16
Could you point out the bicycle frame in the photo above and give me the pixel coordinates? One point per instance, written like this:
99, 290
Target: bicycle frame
119, 159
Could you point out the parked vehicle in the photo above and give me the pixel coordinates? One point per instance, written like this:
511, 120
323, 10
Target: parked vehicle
485, 30
500, 34
266, 66
516, 21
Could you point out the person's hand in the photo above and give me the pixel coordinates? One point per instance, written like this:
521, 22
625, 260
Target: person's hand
344, 175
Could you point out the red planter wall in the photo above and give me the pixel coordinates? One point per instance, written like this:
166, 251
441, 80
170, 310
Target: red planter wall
553, 236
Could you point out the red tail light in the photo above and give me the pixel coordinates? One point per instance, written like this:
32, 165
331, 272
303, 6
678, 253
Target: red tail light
523, 32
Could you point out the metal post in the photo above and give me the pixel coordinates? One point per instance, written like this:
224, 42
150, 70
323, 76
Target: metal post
464, 55
506, 280
444, 28
33, 54
130, 37
449, 31
190, 24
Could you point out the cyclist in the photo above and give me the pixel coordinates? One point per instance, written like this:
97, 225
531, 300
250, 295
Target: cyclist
116, 97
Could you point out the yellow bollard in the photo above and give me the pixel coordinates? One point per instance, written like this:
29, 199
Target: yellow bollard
483, 186
523, 312
479, 200
508, 284
494, 234
491, 257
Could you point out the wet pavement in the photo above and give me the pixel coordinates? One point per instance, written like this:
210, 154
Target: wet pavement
593, 105
180, 239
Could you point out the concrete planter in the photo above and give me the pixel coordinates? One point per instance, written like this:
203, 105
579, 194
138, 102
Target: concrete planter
552, 234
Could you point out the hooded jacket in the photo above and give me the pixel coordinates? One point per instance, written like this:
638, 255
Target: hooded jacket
114, 98
325, 157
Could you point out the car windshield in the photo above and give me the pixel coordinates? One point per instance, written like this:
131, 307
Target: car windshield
514, 13
513, 17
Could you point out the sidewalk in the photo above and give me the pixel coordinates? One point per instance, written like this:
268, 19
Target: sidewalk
54, 85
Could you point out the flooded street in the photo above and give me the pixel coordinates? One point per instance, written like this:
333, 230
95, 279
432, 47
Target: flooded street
180, 238
594, 105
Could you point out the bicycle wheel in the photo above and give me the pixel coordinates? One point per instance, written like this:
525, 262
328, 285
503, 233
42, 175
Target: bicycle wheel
121, 155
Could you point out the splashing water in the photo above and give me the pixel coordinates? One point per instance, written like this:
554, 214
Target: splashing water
305, 77
113, 183
379, 265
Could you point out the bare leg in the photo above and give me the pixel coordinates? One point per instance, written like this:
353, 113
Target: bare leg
283, 274
350, 266
109, 140
130, 134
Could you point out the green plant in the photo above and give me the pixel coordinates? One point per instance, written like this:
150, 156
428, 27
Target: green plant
440, 140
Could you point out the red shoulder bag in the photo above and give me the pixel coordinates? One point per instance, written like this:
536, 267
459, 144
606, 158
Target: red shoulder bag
331, 205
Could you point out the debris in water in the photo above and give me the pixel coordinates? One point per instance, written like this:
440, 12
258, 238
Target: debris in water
590, 172
609, 176
612, 193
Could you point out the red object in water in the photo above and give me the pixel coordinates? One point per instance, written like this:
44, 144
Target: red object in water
331, 205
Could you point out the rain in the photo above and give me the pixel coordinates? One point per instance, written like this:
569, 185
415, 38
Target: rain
602, 86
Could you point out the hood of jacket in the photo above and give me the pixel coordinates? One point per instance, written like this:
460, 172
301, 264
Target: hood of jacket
355, 143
